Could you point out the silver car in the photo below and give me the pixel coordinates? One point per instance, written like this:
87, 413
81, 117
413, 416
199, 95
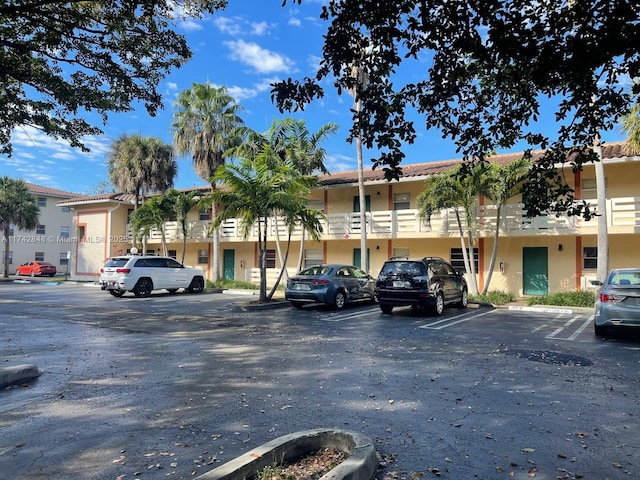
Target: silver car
618, 300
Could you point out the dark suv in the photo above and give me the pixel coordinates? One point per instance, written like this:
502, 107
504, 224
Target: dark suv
427, 282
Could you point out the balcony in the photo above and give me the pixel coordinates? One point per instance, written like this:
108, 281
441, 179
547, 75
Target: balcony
623, 217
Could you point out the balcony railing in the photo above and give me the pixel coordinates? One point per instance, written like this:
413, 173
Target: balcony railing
623, 214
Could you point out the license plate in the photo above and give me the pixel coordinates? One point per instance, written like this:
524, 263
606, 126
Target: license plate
111, 284
398, 284
301, 286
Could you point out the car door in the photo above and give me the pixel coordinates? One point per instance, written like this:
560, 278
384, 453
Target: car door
179, 276
365, 283
453, 282
348, 281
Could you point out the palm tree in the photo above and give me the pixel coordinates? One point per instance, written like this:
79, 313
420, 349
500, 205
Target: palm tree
205, 126
141, 165
255, 189
181, 204
153, 214
18, 208
505, 182
458, 190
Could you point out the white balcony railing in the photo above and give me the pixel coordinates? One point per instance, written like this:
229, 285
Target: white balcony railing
623, 213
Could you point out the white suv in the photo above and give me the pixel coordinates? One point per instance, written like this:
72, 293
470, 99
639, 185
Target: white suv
141, 274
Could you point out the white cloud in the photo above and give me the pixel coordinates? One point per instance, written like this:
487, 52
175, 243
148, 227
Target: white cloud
339, 163
228, 25
294, 22
258, 58
259, 28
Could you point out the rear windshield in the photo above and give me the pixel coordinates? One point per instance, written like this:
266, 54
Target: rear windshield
405, 268
116, 262
317, 270
623, 278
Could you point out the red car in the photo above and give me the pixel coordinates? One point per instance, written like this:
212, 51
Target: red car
36, 269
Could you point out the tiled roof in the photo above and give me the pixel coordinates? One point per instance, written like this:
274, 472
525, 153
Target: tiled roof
50, 192
128, 198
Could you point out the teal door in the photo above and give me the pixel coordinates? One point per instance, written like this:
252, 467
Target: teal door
228, 264
367, 203
535, 271
357, 258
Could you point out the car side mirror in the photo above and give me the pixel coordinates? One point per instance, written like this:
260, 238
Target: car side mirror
596, 283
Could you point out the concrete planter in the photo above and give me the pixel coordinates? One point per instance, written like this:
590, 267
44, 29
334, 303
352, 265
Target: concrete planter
361, 463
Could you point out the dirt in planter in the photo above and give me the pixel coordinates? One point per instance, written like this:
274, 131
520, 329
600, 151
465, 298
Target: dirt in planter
311, 467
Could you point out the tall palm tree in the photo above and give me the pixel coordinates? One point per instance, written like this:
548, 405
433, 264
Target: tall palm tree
255, 189
181, 204
141, 165
18, 208
458, 190
205, 125
505, 182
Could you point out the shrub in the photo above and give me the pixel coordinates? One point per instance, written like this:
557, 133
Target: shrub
567, 299
225, 283
496, 297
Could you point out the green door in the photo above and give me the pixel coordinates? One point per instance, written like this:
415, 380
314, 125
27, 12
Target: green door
228, 264
357, 258
367, 203
535, 271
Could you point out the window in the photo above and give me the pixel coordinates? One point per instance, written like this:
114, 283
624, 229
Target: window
590, 258
81, 232
63, 259
316, 204
39, 256
313, 256
204, 214
10, 230
40, 230
10, 257
270, 258
65, 209
457, 259
42, 201
64, 232
203, 256
588, 189
172, 253
401, 201
401, 252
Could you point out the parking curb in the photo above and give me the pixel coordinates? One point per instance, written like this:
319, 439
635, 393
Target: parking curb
17, 374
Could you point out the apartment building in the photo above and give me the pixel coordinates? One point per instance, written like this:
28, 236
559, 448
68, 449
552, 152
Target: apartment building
536, 256
52, 240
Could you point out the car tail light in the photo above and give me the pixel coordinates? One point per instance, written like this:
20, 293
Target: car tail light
607, 297
102, 270
320, 281
123, 270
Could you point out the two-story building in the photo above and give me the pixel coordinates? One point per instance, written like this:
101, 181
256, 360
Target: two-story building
535, 256
52, 239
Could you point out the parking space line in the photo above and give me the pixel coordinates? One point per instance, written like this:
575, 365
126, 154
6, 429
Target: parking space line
449, 322
344, 316
574, 335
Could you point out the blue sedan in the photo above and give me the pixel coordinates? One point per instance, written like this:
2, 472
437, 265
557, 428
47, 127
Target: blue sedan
618, 300
334, 285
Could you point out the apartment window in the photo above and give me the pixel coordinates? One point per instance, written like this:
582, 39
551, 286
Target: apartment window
401, 252
204, 214
40, 230
173, 254
42, 201
39, 256
316, 204
64, 232
63, 259
203, 256
270, 258
10, 257
590, 258
588, 189
401, 201
457, 259
65, 209
81, 232
313, 256
10, 230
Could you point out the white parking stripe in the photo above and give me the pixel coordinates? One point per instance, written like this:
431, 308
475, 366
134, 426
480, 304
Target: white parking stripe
344, 316
575, 334
449, 322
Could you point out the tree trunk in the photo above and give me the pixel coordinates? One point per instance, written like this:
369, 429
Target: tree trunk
5, 263
283, 269
262, 253
362, 199
603, 232
494, 252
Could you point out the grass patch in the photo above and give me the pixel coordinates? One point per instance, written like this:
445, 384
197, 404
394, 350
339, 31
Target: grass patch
565, 299
225, 283
496, 297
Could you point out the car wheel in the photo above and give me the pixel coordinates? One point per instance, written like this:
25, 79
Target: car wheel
600, 330
438, 308
172, 290
340, 300
386, 308
464, 299
297, 304
117, 293
143, 288
197, 285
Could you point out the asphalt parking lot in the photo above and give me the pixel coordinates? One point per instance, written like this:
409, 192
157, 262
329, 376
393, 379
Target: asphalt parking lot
172, 386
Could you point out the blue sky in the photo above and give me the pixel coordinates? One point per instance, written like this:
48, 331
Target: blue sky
245, 48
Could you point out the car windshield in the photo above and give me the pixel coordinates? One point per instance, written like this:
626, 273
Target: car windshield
116, 262
625, 277
317, 270
405, 268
